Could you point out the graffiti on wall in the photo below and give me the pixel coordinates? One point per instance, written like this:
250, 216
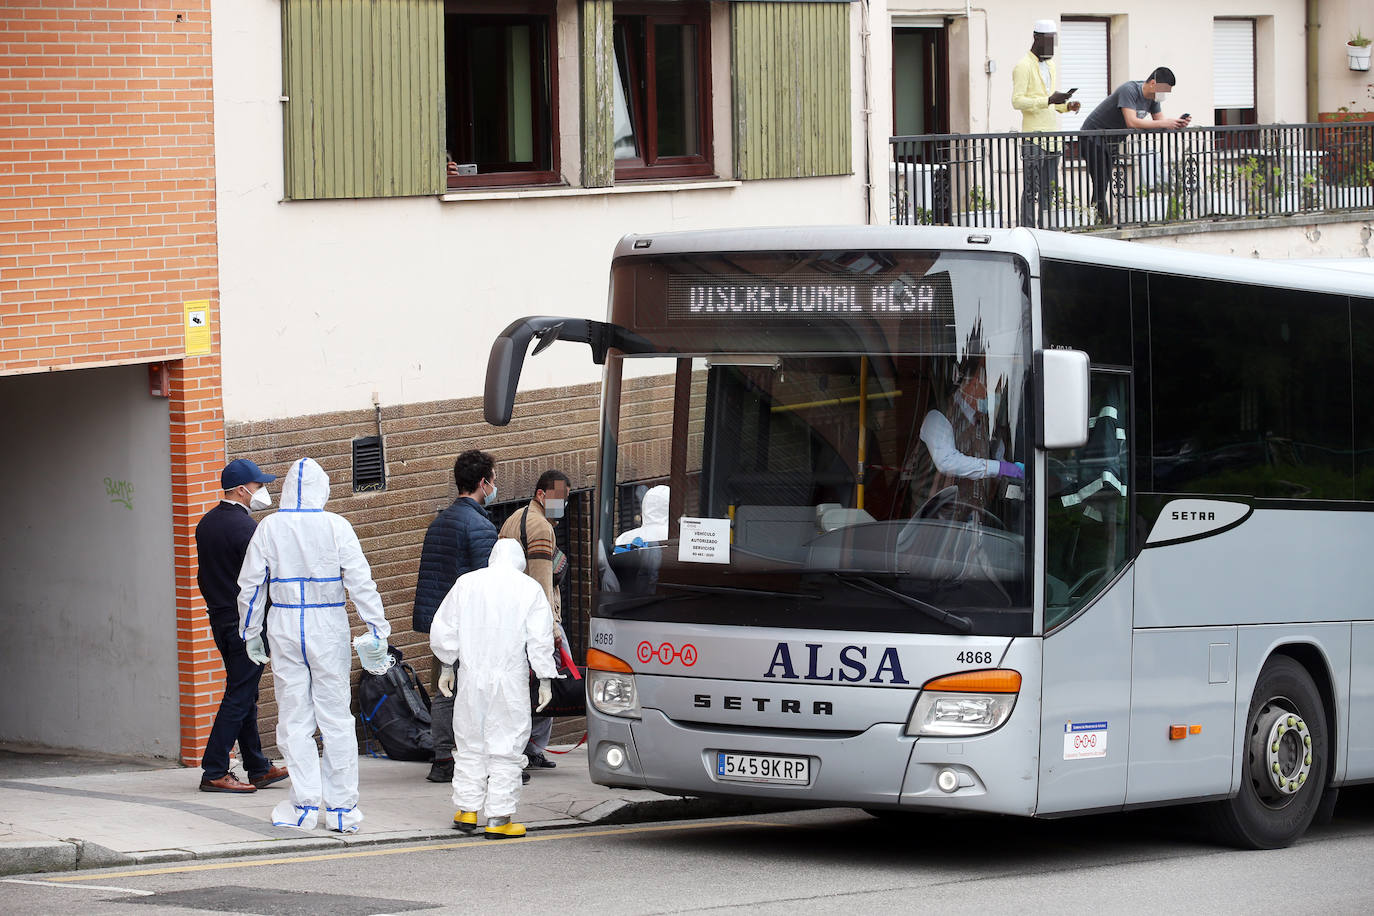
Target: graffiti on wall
120, 491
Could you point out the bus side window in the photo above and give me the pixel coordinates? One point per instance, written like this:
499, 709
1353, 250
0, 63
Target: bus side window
1087, 511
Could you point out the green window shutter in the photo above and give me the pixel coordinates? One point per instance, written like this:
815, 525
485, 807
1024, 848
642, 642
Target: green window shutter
790, 69
598, 95
364, 81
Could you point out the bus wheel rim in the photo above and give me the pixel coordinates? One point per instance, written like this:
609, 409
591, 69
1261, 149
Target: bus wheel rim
1282, 751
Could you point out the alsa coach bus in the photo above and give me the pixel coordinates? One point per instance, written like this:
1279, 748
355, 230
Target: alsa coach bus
1003, 521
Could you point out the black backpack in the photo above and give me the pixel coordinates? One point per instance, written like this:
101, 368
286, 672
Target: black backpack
394, 709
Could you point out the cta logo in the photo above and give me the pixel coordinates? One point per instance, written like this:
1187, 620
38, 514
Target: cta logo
667, 653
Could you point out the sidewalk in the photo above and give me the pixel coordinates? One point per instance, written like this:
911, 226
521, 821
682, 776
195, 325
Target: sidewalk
102, 819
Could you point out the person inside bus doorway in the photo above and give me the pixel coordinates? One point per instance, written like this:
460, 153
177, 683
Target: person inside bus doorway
962, 451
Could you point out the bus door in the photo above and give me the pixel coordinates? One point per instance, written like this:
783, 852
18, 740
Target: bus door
1085, 721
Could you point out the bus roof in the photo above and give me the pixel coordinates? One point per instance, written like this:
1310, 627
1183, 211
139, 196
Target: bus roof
1031, 244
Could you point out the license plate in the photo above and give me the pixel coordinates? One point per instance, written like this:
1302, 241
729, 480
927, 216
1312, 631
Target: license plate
763, 768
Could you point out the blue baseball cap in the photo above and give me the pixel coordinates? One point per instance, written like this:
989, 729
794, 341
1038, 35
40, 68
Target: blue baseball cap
241, 471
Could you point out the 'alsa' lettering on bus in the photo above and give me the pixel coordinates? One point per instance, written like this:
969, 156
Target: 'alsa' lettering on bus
853, 666
1193, 516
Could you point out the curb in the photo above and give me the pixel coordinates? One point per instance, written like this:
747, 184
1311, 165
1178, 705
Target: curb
39, 856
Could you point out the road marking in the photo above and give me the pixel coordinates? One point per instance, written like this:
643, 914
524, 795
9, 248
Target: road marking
84, 887
398, 850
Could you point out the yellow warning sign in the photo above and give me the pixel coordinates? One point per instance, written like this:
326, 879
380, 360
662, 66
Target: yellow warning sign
197, 327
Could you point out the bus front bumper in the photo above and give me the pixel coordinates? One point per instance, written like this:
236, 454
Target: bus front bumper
878, 768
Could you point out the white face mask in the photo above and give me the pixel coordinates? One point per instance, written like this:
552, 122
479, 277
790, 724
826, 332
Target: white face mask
553, 508
261, 500
1160, 96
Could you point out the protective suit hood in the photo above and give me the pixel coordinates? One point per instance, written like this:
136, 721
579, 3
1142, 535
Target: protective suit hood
507, 554
655, 509
305, 486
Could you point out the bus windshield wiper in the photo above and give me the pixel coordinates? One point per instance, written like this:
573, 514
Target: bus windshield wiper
865, 584
738, 590
686, 590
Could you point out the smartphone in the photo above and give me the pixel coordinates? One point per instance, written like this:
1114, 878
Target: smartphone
1185, 115
1072, 91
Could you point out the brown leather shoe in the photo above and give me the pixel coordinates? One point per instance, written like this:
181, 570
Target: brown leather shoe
274, 775
226, 783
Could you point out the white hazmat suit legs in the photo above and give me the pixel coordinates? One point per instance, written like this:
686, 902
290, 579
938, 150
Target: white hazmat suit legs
305, 558
497, 624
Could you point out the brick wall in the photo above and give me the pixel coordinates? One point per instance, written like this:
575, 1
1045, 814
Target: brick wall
107, 226
553, 428
106, 147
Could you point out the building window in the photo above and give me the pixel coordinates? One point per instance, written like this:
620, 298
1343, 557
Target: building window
501, 88
1233, 72
1084, 64
662, 90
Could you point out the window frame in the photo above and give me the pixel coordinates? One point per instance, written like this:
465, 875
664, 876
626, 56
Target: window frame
643, 106
512, 12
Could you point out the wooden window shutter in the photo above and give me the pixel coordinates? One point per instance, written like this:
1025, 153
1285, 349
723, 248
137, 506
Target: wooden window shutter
598, 94
790, 67
364, 83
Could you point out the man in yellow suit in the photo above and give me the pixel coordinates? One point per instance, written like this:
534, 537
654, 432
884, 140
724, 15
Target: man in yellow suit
1034, 93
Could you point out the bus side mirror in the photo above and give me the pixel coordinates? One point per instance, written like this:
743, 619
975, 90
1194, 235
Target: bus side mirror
1061, 378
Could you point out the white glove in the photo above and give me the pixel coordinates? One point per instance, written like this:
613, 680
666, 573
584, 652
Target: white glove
446, 680
545, 693
372, 653
257, 652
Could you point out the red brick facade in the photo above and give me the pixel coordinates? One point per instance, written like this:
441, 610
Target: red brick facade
108, 215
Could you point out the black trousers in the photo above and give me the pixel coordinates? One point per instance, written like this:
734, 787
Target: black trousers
1099, 155
237, 719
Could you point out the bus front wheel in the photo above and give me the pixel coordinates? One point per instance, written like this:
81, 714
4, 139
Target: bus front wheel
1285, 763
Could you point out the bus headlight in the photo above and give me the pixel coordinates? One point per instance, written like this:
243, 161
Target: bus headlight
970, 703
614, 693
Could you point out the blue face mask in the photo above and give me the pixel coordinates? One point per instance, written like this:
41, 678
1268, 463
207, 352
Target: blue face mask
490, 497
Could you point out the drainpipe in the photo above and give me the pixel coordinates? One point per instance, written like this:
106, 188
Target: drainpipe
867, 112
1312, 28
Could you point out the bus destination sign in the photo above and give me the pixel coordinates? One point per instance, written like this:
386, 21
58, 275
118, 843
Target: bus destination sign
757, 297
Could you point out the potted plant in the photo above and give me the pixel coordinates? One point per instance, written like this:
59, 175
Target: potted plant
1357, 50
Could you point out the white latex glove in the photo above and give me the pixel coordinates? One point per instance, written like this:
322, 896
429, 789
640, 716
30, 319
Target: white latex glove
372, 653
257, 652
446, 680
545, 693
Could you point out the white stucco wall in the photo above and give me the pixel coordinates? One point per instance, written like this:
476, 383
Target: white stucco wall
323, 303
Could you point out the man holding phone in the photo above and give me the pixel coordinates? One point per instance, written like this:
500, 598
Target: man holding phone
1034, 82
1135, 105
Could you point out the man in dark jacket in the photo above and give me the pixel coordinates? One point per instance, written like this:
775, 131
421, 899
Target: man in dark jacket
221, 540
458, 541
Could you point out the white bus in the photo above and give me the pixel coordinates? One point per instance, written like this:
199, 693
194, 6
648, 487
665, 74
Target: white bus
1003, 521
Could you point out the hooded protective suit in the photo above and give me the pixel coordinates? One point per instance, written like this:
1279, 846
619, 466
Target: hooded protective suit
653, 517
304, 558
497, 623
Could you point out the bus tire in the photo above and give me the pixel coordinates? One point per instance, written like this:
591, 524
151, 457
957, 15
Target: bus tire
1284, 764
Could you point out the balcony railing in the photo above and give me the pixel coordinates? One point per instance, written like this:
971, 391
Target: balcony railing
1142, 177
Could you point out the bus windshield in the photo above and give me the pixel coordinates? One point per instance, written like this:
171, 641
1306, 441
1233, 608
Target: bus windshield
852, 471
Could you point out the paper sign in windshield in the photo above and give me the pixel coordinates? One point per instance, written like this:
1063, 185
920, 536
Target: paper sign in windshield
1085, 739
704, 540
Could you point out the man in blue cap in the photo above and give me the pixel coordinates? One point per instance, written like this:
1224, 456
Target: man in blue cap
221, 541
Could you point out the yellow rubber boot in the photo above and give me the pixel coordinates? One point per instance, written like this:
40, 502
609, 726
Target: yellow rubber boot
465, 821
501, 828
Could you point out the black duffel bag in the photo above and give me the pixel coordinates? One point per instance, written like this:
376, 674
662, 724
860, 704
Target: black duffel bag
569, 694
394, 709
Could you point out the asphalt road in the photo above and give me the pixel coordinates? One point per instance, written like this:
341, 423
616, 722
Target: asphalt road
814, 861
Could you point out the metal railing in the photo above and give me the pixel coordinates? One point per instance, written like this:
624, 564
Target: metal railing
1096, 179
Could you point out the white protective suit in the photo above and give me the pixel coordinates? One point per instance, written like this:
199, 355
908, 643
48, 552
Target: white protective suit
653, 517
304, 558
498, 625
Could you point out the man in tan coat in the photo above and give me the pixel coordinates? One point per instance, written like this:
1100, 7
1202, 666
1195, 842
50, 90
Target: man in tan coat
532, 526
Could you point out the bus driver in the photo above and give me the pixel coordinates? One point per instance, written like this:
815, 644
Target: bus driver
958, 436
